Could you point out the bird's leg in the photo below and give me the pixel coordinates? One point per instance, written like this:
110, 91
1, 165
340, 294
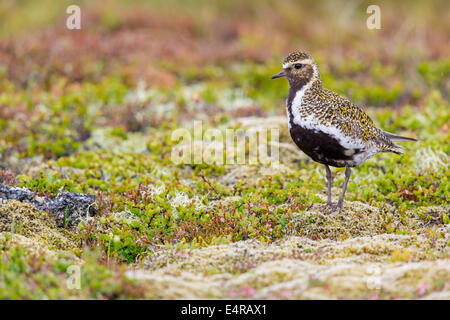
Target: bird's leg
329, 183
340, 203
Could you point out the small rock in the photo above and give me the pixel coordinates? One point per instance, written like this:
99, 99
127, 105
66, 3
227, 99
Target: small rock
67, 207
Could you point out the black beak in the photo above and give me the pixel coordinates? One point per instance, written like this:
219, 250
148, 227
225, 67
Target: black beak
279, 75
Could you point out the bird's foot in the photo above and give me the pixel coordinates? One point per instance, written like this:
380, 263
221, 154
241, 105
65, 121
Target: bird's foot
339, 205
324, 209
330, 208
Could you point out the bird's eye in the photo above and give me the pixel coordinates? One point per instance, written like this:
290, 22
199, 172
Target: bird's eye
298, 65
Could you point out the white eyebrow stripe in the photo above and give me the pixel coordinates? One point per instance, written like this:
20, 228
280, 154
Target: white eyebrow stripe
304, 61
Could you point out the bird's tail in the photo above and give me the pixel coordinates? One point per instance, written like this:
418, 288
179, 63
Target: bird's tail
394, 137
391, 146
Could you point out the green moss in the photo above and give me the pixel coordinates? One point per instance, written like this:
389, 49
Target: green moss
31, 271
25, 220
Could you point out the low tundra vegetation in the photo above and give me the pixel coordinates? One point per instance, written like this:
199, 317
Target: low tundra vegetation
94, 112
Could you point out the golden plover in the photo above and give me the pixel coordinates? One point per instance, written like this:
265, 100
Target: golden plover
330, 129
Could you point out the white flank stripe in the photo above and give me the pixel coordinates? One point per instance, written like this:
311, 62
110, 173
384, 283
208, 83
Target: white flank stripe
311, 122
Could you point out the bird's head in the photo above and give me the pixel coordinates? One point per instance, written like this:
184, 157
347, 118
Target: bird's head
299, 68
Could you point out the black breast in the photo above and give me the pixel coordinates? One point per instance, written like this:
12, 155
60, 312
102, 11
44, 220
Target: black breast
321, 147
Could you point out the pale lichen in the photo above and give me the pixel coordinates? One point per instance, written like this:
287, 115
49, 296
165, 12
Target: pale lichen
298, 267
